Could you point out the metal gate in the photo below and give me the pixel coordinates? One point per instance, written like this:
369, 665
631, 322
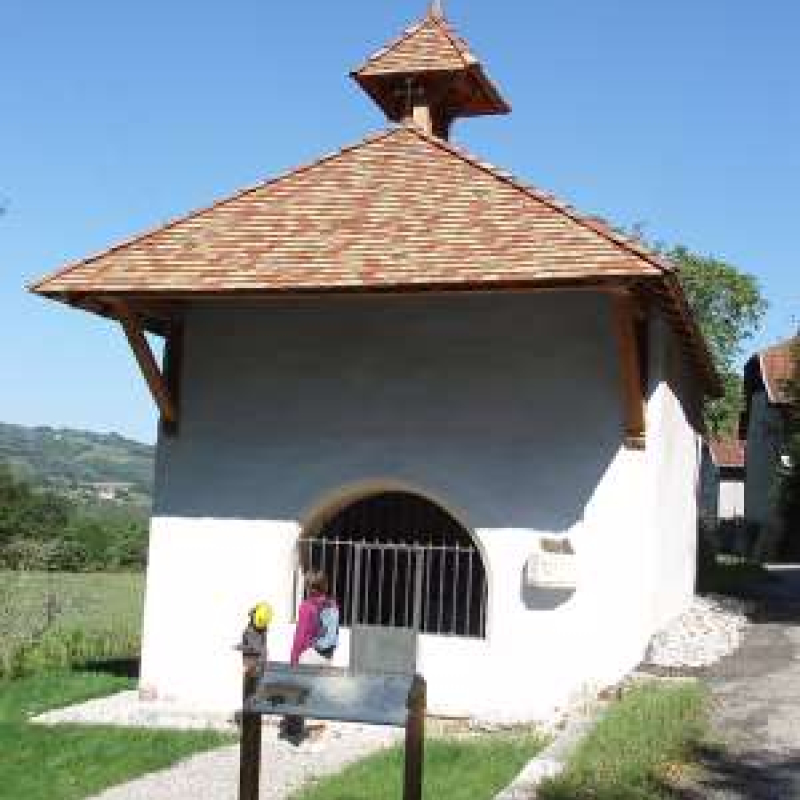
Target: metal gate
430, 588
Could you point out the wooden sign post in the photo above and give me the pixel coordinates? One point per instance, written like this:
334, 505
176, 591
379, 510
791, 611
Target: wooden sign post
250, 746
415, 740
334, 695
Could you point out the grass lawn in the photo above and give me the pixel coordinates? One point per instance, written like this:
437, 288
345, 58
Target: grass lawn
636, 749
70, 762
474, 768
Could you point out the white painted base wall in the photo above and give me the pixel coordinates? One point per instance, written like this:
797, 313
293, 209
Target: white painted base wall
504, 409
529, 664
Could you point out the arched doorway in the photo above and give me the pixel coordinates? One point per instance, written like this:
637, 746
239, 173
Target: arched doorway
395, 559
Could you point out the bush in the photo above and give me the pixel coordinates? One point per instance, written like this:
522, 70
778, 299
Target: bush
58, 650
52, 621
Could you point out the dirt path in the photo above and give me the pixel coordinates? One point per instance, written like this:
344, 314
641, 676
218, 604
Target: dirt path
756, 707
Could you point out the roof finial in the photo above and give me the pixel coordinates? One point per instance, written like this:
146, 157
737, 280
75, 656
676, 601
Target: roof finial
437, 9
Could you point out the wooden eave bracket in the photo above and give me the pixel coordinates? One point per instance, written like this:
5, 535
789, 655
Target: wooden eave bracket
155, 378
633, 400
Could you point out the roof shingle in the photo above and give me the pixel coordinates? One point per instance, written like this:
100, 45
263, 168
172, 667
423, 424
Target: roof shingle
401, 209
428, 46
727, 452
432, 58
777, 369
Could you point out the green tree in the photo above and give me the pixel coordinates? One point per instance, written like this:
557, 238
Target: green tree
729, 307
43, 530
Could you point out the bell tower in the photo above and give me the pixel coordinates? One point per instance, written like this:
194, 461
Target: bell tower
429, 76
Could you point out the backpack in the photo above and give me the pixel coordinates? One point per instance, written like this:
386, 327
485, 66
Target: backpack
327, 628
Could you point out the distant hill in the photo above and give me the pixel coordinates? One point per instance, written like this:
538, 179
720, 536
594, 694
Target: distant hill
79, 461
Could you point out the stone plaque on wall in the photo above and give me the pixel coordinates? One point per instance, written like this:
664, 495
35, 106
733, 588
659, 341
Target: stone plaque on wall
553, 566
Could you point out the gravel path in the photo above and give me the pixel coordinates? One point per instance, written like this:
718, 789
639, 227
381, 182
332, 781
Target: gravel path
215, 775
127, 710
756, 694
284, 768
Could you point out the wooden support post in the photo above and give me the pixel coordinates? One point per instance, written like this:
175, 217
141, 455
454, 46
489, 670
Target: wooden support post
415, 740
633, 398
250, 745
173, 369
147, 361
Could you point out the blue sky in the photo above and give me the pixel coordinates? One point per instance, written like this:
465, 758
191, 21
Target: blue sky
682, 116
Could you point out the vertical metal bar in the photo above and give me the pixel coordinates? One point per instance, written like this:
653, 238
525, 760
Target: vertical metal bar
428, 568
335, 578
419, 562
324, 548
442, 563
409, 598
347, 605
358, 548
468, 626
381, 587
367, 604
456, 568
394, 585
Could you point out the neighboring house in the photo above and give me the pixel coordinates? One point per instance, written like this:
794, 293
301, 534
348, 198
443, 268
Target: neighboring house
475, 409
723, 480
110, 490
764, 424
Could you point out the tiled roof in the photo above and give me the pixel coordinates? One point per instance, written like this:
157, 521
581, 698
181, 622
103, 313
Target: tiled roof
429, 46
777, 366
401, 209
727, 453
426, 52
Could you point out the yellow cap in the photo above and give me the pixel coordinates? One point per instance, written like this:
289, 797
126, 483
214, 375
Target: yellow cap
261, 616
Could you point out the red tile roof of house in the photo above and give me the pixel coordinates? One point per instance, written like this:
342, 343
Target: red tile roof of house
728, 452
777, 368
402, 211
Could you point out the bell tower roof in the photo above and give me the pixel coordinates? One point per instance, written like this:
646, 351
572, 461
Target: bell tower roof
432, 68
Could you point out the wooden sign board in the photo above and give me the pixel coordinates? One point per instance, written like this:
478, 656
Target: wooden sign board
331, 694
322, 693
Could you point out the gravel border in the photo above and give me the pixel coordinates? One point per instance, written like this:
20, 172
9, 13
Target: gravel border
284, 767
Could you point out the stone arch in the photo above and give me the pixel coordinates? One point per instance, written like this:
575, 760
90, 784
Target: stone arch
396, 557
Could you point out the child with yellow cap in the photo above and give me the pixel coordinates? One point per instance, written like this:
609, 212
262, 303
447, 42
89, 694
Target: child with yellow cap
254, 639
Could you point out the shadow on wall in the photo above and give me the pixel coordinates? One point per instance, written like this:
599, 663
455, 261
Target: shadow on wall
505, 406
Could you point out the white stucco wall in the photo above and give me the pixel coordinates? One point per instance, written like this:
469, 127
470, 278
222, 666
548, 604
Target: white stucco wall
731, 498
722, 491
674, 450
503, 408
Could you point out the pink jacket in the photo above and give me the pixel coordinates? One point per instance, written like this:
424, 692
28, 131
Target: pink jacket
306, 629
